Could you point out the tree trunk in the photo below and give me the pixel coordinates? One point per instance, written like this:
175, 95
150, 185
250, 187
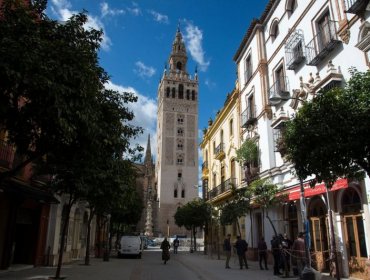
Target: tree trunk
63, 237
273, 227
251, 230
238, 225
195, 239
87, 255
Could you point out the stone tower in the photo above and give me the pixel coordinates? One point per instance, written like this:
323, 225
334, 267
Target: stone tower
177, 134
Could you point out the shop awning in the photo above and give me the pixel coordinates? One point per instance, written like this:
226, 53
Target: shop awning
295, 192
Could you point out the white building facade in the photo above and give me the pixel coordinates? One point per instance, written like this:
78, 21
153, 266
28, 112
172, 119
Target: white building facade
295, 50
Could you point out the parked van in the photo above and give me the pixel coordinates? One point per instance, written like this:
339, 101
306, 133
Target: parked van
130, 245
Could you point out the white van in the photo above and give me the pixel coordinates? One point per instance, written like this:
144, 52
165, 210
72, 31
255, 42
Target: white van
130, 245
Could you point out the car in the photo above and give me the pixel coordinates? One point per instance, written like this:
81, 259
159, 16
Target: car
130, 245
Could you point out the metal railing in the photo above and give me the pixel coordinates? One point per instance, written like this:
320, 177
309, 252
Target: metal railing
223, 187
249, 116
219, 149
322, 43
355, 6
280, 88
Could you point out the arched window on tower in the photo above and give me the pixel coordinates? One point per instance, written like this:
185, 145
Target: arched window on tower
181, 91
182, 193
193, 95
179, 64
187, 94
173, 93
175, 192
274, 29
168, 92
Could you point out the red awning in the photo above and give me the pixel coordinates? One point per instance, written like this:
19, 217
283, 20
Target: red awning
295, 192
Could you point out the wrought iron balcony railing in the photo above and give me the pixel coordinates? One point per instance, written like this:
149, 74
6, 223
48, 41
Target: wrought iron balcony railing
222, 188
322, 43
280, 88
294, 50
356, 6
249, 116
219, 152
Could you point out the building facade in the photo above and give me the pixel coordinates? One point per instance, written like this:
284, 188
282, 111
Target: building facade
177, 134
221, 173
293, 51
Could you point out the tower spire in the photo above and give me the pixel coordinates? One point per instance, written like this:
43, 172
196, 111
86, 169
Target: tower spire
178, 57
148, 152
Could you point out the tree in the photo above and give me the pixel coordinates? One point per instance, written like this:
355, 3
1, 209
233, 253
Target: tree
50, 73
236, 208
328, 137
266, 195
192, 215
248, 155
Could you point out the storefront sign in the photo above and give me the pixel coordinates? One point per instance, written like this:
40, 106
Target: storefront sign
295, 192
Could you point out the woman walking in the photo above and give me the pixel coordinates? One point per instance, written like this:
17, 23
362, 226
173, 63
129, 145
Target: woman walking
165, 246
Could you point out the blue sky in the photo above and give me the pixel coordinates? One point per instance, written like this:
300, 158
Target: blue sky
137, 41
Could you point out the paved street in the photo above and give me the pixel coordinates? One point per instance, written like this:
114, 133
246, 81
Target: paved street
182, 266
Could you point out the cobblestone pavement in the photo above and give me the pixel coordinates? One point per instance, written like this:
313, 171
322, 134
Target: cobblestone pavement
182, 266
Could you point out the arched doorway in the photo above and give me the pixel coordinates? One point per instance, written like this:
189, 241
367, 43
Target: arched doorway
319, 233
354, 233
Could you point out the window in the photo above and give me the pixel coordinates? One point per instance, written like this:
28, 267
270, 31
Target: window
179, 176
214, 179
180, 132
180, 145
274, 30
181, 91
180, 120
175, 193
323, 25
182, 193
173, 92
231, 127
180, 159
248, 68
187, 94
291, 5
193, 95
251, 107
168, 91
179, 65
280, 80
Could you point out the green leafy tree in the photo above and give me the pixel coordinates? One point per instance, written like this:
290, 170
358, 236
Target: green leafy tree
192, 215
328, 136
248, 153
266, 195
236, 208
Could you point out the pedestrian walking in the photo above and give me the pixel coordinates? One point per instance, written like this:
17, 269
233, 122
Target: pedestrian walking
275, 248
176, 244
165, 246
227, 250
241, 249
262, 252
298, 251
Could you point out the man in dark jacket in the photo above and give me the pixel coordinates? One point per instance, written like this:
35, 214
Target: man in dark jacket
262, 252
241, 248
275, 248
227, 249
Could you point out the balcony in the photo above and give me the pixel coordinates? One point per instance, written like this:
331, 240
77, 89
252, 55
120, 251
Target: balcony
248, 117
220, 152
205, 169
357, 7
294, 50
279, 89
322, 44
224, 187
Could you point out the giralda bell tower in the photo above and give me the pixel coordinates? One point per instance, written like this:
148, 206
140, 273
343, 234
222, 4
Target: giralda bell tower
177, 133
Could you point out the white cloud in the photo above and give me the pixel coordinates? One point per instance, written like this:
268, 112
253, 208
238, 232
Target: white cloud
63, 10
144, 71
193, 38
145, 111
159, 17
135, 10
210, 84
106, 10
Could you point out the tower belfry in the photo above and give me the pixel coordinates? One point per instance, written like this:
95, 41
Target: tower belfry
177, 127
